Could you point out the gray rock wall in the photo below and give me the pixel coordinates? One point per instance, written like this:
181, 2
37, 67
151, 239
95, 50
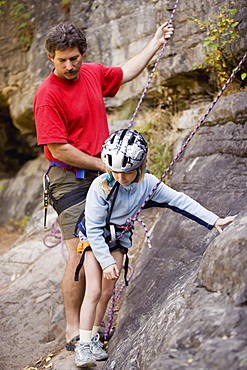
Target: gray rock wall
185, 307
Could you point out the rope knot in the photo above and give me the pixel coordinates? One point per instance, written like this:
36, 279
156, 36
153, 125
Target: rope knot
129, 225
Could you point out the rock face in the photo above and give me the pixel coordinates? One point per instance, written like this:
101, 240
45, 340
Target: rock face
185, 307
19, 196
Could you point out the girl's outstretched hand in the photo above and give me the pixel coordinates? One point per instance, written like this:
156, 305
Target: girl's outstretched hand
111, 272
222, 222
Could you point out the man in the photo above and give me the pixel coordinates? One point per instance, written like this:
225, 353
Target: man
72, 125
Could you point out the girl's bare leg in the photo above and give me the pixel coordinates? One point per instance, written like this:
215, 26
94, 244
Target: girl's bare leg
93, 273
107, 289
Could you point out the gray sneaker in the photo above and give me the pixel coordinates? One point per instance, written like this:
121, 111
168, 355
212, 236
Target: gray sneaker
84, 356
97, 348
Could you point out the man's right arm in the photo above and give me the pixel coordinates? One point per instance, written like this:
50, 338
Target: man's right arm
134, 66
68, 154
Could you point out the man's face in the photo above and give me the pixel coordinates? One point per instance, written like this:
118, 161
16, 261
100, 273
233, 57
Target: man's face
67, 63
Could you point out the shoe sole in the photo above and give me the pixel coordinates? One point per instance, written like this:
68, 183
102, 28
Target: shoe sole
85, 364
101, 358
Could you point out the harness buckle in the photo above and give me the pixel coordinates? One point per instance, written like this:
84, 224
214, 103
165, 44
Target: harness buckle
112, 234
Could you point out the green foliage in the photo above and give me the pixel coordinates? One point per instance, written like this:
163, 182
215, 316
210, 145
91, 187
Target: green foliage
66, 5
19, 225
2, 5
2, 188
221, 34
243, 75
20, 15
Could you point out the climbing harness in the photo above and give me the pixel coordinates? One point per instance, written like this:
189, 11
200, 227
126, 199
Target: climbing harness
112, 242
68, 199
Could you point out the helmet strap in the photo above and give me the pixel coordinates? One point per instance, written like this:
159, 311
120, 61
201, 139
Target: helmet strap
137, 175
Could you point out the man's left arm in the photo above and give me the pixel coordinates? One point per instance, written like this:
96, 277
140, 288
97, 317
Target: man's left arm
134, 66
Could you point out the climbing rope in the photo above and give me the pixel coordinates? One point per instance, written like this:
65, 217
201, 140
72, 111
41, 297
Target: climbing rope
115, 296
153, 70
130, 221
55, 233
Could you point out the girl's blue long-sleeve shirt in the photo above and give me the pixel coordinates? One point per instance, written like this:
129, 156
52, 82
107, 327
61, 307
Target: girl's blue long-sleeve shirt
128, 201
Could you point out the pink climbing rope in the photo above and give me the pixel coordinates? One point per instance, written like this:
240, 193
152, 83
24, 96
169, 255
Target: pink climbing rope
55, 233
153, 70
114, 298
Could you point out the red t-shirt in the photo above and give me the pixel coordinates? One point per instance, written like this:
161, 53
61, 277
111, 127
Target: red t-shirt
73, 111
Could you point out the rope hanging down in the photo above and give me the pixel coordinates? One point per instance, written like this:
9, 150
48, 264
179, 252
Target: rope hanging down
153, 70
130, 221
55, 235
115, 296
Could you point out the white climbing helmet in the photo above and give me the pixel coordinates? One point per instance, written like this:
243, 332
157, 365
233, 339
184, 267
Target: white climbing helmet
124, 151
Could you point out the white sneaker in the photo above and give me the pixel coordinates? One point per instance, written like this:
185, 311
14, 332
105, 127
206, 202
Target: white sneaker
97, 348
84, 356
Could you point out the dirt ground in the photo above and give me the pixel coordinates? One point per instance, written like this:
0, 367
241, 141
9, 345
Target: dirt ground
7, 238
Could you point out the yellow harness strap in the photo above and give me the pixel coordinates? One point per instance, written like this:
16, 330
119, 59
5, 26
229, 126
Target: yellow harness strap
82, 246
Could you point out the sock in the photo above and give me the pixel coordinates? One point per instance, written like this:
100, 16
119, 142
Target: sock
95, 330
85, 336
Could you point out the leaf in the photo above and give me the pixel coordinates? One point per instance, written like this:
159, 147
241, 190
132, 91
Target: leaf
214, 46
23, 25
233, 11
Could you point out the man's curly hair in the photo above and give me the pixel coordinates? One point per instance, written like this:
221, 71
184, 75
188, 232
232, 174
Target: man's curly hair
64, 36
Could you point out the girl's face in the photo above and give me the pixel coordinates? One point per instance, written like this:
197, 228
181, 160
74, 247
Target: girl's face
125, 178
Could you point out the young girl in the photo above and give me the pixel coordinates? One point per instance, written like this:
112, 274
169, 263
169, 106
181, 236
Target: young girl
112, 198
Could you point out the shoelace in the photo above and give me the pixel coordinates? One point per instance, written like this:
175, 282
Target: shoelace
84, 349
96, 341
